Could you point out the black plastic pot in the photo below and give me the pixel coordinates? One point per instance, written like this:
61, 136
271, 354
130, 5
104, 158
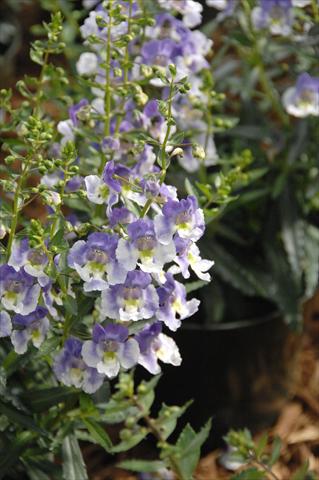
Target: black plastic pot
241, 374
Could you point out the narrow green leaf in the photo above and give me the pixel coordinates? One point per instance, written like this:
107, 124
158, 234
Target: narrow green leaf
275, 452
142, 466
261, 445
250, 474
43, 399
19, 418
301, 473
73, 464
98, 433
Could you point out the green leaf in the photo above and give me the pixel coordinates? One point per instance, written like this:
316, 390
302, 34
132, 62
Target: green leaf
196, 285
116, 411
243, 277
188, 448
21, 419
250, 474
301, 473
98, 434
142, 466
261, 445
190, 189
70, 305
133, 440
168, 416
275, 452
43, 399
73, 464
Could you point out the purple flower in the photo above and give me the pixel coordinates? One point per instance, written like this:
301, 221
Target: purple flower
95, 261
98, 192
135, 299
188, 255
173, 306
33, 260
183, 217
76, 109
110, 349
5, 324
32, 327
155, 346
303, 99
277, 15
18, 290
110, 171
121, 216
158, 52
189, 9
70, 368
143, 248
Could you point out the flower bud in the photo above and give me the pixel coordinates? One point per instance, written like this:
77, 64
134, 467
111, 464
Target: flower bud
198, 151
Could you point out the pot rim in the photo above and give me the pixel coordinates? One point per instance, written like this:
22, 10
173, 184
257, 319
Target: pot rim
224, 326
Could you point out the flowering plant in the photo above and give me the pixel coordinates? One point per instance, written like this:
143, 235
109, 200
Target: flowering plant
265, 244
89, 290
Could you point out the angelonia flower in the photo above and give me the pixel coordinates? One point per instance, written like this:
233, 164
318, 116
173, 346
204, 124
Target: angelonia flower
276, 15
302, 100
134, 243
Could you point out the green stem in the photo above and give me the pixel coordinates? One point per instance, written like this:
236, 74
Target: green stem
107, 99
151, 424
15, 210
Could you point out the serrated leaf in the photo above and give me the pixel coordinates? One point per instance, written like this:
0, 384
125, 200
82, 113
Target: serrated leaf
188, 448
98, 433
131, 442
73, 465
142, 466
168, 416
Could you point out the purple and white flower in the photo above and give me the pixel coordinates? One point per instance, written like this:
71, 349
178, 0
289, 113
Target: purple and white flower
5, 324
155, 346
173, 306
70, 368
303, 99
110, 349
33, 326
143, 248
135, 299
19, 291
188, 255
32, 260
189, 9
276, 15
95, 261
182, 217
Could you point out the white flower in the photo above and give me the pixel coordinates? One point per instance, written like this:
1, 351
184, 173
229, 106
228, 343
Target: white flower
87, 63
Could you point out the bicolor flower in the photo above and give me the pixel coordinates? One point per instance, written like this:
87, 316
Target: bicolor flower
32, 327
98, 192
276, 15
5, 324
303, 99
143, 248
19, 291
188, 255
110, 349
182, 217
189, 9
33, 260
70, 368
95, 261
155, 346
135, 299
173, 306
